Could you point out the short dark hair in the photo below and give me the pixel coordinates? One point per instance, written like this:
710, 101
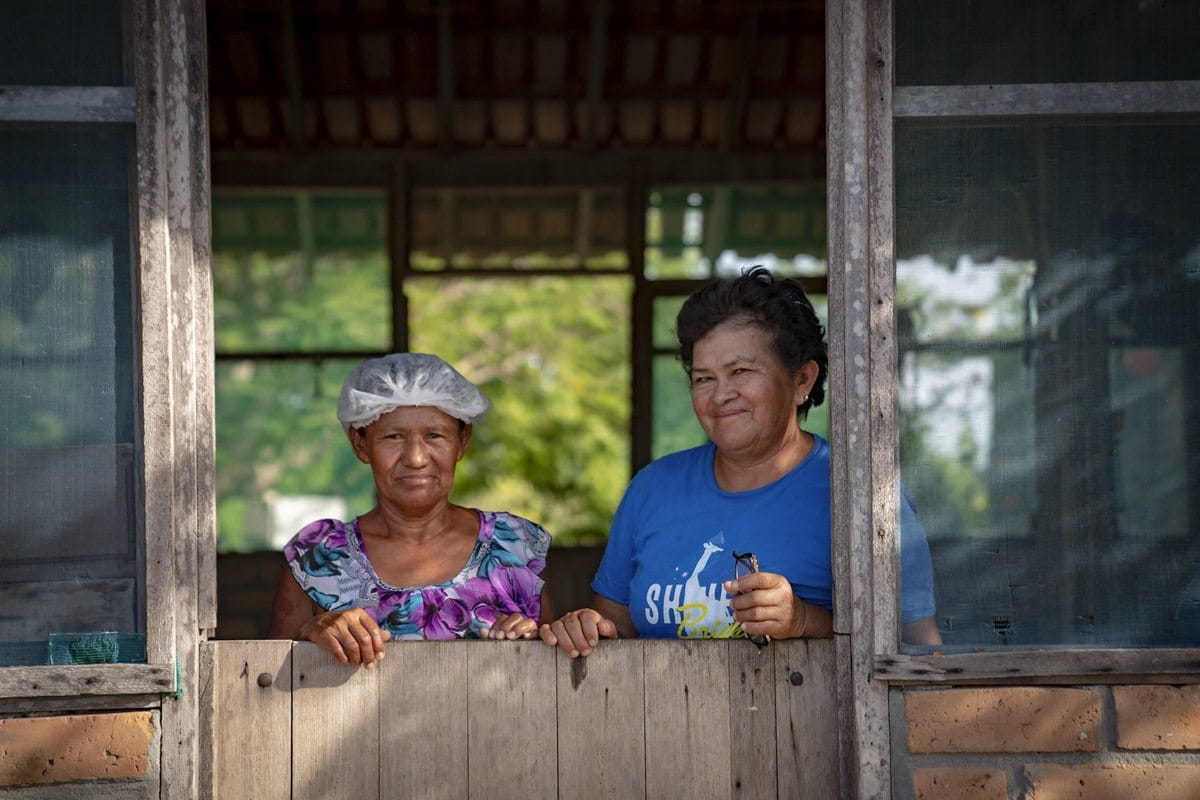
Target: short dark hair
779, 307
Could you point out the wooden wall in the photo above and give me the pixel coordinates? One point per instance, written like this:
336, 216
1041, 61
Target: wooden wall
653, 719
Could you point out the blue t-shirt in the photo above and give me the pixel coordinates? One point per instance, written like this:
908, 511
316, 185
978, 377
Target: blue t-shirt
671, 544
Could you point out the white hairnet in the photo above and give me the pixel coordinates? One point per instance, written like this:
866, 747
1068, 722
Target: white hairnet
380, 385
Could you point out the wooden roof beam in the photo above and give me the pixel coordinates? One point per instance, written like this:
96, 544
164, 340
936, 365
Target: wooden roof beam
445, 76
597, 64
291, 74
739, 89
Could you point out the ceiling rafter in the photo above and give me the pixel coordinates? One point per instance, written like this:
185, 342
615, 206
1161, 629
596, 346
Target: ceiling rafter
735, 120
445, 76
297, 136
597, 64
421, 77
358, 70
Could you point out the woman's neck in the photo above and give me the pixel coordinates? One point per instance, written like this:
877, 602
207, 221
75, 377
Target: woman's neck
416, 526
741, 473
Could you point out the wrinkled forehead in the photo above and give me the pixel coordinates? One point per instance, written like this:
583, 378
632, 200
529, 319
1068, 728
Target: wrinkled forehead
734, 341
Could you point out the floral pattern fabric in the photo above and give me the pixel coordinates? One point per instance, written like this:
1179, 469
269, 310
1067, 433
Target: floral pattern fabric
502, 576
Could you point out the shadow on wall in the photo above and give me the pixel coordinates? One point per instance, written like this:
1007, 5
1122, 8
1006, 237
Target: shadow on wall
246, 586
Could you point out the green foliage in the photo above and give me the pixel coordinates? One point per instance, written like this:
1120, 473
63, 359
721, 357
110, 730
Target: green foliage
296, 302
965, 486
278, 435
951, 494
552, 357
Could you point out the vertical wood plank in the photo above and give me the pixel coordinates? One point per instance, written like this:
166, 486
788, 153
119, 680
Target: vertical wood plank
251, 724
687, 719
180, 713
885, 454
206, 723
878, 632
511, 720
840, 332
601, 727
423, 720
847, 715
335, 727
752, 726
202, 315
807, 718
855, 32
154, 304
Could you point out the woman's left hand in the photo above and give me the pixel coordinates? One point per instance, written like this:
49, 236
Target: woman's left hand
513, 626
764, 603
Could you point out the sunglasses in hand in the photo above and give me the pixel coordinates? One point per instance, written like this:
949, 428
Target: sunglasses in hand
743, 565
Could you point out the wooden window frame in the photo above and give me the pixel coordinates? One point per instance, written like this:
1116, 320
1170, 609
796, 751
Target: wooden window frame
1052, 103
163, 43
863, 104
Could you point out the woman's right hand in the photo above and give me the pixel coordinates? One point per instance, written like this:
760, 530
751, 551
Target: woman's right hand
577, 632
351, 636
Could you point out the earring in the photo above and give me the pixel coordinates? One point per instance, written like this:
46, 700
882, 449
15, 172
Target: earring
804, 400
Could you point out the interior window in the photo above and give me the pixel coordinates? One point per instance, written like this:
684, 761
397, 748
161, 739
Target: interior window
304, 290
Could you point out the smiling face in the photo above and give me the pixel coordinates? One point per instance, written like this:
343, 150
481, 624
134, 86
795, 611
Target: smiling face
413, 452
743, 397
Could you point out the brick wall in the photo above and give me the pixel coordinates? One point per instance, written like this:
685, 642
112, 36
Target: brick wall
101, 756
1038, 743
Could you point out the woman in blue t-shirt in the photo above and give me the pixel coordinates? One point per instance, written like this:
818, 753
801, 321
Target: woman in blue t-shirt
675, 564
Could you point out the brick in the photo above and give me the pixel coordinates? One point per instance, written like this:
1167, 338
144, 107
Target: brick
960, 783
1158, 717
1018, 719
1114, 782
38, 750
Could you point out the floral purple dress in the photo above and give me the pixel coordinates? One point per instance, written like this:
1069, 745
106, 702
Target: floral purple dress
502, 576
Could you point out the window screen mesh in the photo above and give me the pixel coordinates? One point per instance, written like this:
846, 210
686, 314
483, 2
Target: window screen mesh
68, 513
1046, 287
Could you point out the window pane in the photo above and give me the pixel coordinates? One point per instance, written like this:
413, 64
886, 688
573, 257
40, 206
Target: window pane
938, 42
299, 272
818, 417
518, 228
282, 458
552, 357
666, 309
67, 443
701, 231
675, 425
63, 43
1046, 290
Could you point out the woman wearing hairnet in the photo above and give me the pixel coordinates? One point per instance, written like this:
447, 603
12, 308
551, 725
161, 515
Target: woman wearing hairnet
415, 566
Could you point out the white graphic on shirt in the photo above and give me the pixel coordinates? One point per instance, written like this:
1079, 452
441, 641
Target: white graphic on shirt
699, 611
